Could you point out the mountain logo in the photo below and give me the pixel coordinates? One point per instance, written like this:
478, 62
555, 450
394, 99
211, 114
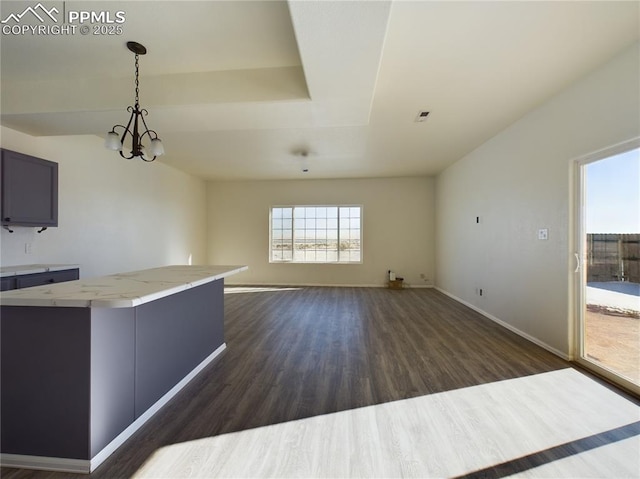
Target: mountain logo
34, 11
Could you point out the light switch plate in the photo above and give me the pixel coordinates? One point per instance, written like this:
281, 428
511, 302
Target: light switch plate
543, 234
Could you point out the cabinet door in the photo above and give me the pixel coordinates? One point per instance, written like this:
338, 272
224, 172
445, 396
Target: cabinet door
29, 190
51, 277
7, 284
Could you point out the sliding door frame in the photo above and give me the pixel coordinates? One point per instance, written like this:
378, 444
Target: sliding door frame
578, 274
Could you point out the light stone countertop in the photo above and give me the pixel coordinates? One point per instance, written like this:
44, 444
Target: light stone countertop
19, 270
123, 290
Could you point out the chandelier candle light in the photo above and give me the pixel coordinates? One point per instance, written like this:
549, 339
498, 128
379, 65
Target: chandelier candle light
115, 142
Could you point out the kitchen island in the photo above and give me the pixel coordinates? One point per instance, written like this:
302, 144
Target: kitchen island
85, 363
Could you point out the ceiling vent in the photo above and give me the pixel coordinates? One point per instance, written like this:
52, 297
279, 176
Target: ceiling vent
422, 116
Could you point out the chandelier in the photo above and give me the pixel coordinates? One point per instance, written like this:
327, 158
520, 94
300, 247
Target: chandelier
131, 133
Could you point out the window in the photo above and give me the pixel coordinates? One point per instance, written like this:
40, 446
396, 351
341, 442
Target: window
316, 234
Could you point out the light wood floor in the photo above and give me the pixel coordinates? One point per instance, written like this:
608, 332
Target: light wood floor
359, 382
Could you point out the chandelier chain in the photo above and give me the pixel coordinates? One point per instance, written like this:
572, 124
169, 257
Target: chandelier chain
137, 82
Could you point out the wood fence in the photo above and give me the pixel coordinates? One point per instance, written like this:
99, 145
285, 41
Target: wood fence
613, 257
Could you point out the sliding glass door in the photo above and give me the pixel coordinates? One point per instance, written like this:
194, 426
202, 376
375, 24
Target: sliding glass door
608, 260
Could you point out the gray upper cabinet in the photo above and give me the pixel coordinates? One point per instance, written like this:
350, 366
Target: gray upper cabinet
29, 190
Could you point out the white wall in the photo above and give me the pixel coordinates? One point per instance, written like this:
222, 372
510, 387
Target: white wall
520, 181
397, 229
115, 215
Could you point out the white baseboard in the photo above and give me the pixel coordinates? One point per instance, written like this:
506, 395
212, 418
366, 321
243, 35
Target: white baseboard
320, 285
302, 285
88, 466
78, 466
526, 336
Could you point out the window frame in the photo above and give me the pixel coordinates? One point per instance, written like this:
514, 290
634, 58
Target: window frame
293, 237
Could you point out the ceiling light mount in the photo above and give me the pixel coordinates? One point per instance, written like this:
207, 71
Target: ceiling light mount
137, 48
303, 154
131, 132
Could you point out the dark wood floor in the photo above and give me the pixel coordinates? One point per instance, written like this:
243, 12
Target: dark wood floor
299, 352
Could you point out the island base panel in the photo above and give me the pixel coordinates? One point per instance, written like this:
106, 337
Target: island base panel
45, 373
112, 374
174, 335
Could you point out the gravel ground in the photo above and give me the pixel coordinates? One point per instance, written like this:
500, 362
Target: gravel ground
613, 340
612, 323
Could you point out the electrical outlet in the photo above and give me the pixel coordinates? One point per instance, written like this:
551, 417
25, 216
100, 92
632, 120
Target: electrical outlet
543, 234
27, 248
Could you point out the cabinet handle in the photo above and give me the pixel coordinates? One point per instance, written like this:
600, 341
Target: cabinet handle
7, 219
52, 280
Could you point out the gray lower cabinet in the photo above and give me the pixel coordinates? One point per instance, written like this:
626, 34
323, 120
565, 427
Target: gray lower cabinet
38, 279
8, 283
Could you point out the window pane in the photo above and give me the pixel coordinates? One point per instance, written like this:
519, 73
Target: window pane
287, 212
332, 212
355, 212
276, 213
276, 250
